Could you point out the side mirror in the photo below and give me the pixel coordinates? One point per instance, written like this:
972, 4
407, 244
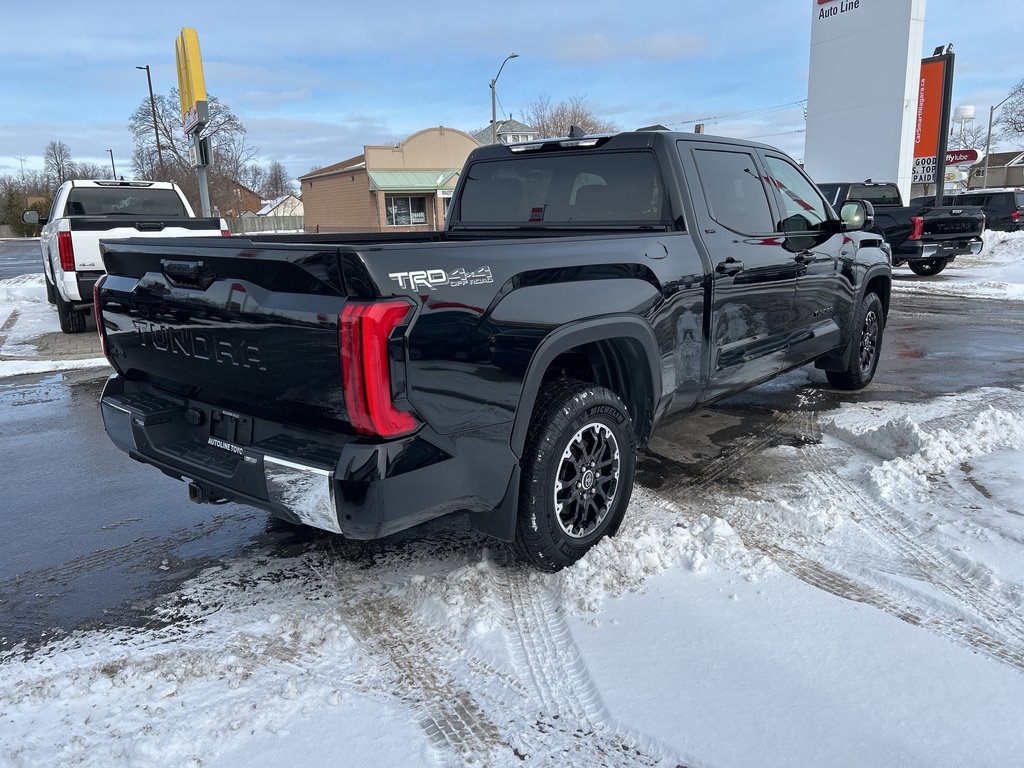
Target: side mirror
857, 215
31, 217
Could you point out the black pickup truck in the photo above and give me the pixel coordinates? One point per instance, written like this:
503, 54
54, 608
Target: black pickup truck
584, 290
924, 237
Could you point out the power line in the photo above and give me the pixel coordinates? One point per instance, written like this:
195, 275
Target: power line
730, 116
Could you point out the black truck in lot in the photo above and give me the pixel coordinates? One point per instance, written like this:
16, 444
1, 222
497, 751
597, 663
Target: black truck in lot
924, 237
584, 290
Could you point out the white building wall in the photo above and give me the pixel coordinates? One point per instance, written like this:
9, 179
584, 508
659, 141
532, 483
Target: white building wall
862, 90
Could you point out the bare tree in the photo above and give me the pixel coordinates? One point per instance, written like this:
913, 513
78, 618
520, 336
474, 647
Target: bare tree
57, 162
968, 137
557, 119
1011, 116
277, 184
85, 170
254, 177
232, 155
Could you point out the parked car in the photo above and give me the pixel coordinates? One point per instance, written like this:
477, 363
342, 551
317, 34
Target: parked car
584, 290
1003, 207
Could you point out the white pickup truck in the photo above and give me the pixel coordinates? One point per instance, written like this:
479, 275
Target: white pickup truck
83, 212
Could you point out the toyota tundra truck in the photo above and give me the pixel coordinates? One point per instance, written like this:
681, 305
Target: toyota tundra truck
583, 291
924, 236
83, 212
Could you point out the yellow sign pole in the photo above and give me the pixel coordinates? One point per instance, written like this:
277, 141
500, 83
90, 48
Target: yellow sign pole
194, 108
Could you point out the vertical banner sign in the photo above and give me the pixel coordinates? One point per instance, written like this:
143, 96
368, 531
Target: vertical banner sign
191, 83
929, 117
195, 112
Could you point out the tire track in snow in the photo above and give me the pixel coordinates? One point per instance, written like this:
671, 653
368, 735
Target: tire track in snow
964, 581
998, 634
571, 725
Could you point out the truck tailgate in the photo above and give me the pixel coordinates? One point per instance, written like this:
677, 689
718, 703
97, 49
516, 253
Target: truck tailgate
949, 223
89, 230
254, 328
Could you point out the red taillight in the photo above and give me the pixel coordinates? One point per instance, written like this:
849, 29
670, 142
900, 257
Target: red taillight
225, 233
363, 333
1015, 215
918, 224
66, 251
98, 316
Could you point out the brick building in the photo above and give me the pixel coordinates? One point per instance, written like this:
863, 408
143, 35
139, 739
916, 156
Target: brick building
393, 188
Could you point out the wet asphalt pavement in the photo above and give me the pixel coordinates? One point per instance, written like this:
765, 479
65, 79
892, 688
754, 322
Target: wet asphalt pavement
19, 257
92, 539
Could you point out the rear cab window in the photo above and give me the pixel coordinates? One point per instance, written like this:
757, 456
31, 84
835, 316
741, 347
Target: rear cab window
876, 194
565, 190
128, 201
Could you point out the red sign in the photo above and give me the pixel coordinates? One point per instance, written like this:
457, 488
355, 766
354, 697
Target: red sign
961, 156
929, 108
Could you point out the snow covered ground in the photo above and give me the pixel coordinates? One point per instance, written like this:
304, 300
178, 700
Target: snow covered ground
852, 595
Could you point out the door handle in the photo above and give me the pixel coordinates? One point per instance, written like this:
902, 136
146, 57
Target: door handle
729, 267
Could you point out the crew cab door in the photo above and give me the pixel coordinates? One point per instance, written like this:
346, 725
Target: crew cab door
753, 276
811, 235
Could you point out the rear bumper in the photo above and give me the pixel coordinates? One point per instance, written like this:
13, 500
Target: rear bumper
949, 249
336, 482
77, 287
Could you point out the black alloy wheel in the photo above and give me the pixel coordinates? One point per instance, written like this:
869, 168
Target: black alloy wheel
577, 473
868, 328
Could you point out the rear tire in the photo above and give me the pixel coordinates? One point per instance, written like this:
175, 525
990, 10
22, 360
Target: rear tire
71, 320
577, 475
928, 267
868, 325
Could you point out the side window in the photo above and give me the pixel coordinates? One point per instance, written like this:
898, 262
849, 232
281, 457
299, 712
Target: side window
803, 210
733, 190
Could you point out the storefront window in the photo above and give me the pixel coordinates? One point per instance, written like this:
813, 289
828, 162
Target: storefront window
405, 211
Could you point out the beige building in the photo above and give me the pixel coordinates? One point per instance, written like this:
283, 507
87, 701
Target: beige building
400, 188
1005, 169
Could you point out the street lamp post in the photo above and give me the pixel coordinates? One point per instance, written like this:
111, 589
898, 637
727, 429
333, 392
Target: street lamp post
156, 130
988, 140
113, 170
494, 107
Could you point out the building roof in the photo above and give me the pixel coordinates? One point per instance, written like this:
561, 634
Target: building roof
269, 205
353, 163
1001, 159
410, 181
504, 127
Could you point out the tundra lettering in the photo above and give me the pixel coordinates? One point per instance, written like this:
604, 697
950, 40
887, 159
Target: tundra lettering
201, 345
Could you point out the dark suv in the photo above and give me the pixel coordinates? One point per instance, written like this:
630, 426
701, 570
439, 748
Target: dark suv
1003, 207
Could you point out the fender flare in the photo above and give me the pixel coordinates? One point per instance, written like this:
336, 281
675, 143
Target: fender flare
576, 334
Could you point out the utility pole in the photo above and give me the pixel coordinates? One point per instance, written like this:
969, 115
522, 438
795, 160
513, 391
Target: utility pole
494, 107
156, 129
113, 170
988, 140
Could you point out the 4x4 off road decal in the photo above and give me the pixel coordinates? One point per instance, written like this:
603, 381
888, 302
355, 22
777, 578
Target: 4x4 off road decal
432, 278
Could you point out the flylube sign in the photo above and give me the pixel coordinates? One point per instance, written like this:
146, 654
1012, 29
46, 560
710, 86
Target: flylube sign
862, 89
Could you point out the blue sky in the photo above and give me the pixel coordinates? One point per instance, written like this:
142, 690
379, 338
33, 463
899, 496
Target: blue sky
315, 81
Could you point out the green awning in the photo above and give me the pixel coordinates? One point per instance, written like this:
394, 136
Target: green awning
410, 181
